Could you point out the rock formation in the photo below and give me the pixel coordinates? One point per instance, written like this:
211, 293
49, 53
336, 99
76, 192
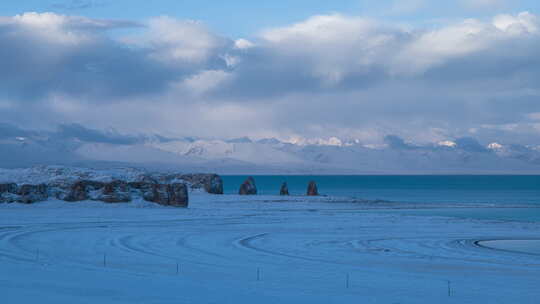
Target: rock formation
110, 186
9, 192
178, 195
175, 194
117, 191
284, 189
80, 191
312, 189
248, 187
28, 194
211, 183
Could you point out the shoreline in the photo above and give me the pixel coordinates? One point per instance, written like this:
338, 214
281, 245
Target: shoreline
199, 200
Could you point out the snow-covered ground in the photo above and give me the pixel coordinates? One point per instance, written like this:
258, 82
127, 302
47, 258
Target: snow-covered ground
231, 249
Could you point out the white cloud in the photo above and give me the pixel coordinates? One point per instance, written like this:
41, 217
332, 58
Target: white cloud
205, 81
524, 22
48, 26
243, 44
432, 48
495, 146
182, 41
334, 46
60, 28
447, 143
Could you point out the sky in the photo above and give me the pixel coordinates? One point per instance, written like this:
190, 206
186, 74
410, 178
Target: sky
246, 18
426, 71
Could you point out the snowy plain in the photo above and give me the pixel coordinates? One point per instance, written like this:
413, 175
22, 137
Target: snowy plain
261, 249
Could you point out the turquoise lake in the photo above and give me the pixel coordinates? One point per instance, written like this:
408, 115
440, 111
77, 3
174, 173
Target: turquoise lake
501, 190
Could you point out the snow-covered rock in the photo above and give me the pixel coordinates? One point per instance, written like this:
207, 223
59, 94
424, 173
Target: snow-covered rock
111, 186
211, 183
25, 194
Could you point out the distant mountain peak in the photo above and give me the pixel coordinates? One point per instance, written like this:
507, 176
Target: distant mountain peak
240, 140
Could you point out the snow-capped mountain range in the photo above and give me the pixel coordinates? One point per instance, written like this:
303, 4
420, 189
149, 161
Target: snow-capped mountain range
76, 145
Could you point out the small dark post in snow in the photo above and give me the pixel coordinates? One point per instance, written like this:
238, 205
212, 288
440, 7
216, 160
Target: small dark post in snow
449, 289
347, 281
258, 274
177, 268
104, 260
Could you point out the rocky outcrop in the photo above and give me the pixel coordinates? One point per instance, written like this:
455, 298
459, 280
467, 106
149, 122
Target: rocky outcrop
211, 183
8, 187
175, 194
178, 195
117, 191
29, 194
110, 186
8, 193
312, 189
248, 187
26, 194
284, 189
80, 191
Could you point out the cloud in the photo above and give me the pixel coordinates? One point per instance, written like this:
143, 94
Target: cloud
524, 22
332, 47
47, 54
181, 41
77, 4
348, 77
10, 131
81, 133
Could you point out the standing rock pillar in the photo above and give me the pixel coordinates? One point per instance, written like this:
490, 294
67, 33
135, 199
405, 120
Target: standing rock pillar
248, 187
284, 189
312, 189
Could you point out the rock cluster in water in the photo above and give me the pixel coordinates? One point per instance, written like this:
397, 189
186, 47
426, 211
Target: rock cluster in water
248, 187
163, 189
